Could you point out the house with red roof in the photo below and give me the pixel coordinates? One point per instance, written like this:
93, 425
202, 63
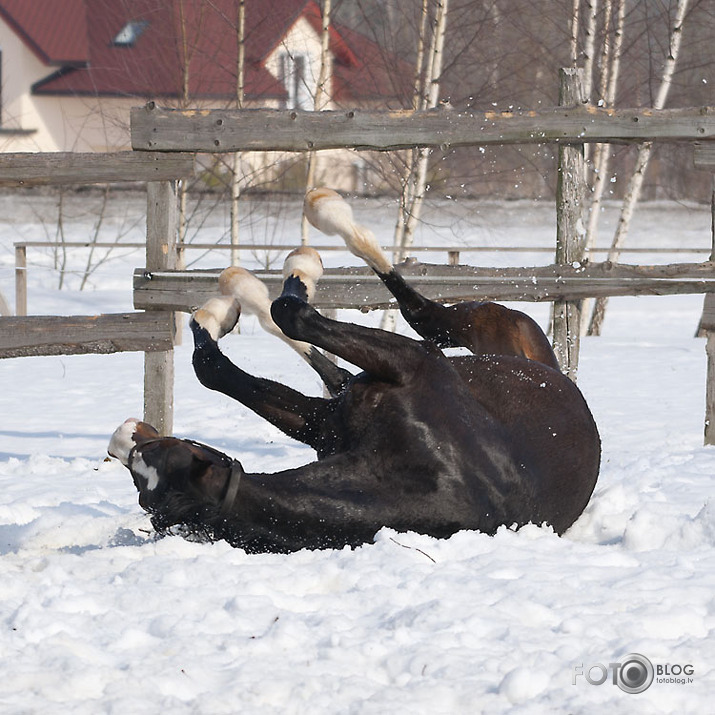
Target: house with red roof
72, 69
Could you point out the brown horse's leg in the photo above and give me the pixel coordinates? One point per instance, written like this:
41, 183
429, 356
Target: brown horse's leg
382, 354
298, 415
484, 328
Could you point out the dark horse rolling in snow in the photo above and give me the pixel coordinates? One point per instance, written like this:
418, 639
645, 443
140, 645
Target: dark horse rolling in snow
416, 441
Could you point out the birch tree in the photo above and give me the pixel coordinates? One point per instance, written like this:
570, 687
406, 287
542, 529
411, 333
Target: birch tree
420, 158
610, 68
417, 94
643, 157
590, 45
318, 103
236, 166
187, 48
426, 96
575, 23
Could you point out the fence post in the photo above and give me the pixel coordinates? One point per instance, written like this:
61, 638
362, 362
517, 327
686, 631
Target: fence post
21, 280
708, 303
570, 227
161, 223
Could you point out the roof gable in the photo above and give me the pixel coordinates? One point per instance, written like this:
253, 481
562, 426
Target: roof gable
55, 30
200, 34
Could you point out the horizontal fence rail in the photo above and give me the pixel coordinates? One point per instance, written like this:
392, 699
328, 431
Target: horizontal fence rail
344, 249
453, 254
52, 169
360, 288
155, 128
77, 335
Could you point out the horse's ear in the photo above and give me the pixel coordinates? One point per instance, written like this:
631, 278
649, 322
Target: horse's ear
211, 481
207, 476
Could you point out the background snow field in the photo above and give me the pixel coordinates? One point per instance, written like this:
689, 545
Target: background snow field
98, 616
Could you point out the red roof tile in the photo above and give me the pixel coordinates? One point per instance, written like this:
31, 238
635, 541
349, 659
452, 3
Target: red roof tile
151, 66
374, 74
55, 30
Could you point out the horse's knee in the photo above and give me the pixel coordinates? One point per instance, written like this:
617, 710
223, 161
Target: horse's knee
291, 315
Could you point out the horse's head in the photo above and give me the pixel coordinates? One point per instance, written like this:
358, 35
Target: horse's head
179, 481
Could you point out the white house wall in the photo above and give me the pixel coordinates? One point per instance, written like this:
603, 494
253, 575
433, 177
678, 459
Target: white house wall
40, 123
301, 39
20, 69
87, 124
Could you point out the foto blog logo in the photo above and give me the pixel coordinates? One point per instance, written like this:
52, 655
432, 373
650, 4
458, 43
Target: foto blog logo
634, 673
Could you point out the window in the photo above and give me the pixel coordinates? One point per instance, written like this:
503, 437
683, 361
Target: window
130, 33
294, 77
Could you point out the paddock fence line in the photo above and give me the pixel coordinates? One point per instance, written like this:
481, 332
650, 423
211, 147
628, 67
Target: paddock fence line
178, 134
453, 253
570, 125
150, 332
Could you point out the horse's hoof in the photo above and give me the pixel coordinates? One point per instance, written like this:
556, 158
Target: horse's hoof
288, 312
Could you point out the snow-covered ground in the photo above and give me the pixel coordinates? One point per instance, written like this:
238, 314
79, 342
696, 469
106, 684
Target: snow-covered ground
98, 616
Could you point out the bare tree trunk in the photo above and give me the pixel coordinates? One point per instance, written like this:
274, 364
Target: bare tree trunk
411, 156
61, 249
420, 177
644, 153
186, 51
610, 68
88, 269
317, 104
236, 165
429, 99
575, 24
590, 46
417, 182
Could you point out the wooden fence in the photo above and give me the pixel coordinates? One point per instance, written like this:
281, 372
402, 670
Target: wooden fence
149, 332
160, 134
570, 126
453, 254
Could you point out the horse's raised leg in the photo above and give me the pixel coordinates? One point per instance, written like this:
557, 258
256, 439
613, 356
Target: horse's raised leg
299, 416
301, 270
482, 327
387, 356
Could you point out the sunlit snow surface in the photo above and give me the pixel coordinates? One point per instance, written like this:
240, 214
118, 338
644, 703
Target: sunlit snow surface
98, 616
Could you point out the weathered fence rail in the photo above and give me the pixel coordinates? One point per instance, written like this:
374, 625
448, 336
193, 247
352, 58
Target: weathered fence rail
454, 254
152, 333
225, 130
360, 288
76, 335
61, 168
